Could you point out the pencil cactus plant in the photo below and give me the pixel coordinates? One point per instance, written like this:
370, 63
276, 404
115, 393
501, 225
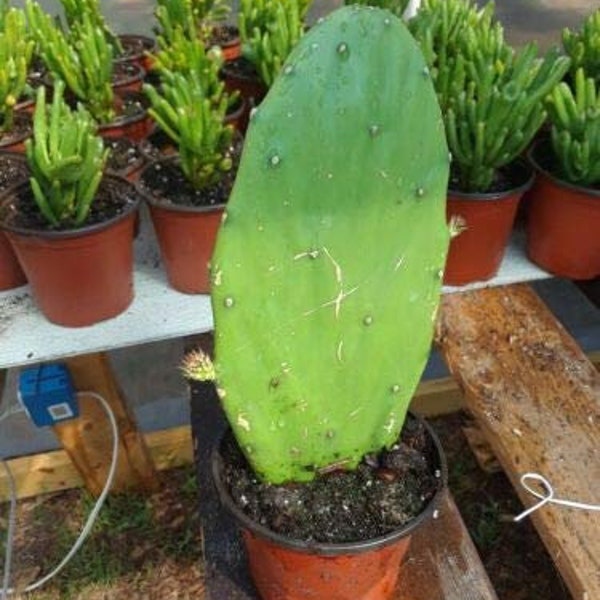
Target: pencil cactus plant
583, 46
492, 97
398, 7
82, 58
195, 122
328, 266
16, 50
66, 158
269, 29
575, 118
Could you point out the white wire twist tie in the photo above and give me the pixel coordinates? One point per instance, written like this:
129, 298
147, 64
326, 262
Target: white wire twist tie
547, 497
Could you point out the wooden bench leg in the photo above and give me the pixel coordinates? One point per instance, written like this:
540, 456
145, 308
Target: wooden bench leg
88, 439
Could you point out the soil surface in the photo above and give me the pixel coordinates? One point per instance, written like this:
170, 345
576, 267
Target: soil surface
112, 199
242, 68
134, 47
13, 170
22, 128
166, 184
510, 177
125, 72
125, 156
383, 494
224, 35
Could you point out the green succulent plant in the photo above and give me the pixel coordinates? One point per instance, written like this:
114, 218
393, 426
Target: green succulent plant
66, 158
395, 6
583, 46
16, 50
195, 122
338, 209
74, 11
82, 58
492, 96
575, 118
269, 29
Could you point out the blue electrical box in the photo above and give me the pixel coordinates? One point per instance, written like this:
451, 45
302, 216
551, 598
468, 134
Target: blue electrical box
48, 395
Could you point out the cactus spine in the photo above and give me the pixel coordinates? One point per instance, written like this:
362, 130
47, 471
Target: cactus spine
328, 266
66, 159
575, 119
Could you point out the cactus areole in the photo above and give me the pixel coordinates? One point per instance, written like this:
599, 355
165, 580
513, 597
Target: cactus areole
327, 272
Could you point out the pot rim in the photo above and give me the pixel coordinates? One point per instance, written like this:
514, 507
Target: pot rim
334, 549
148, 42
121, 120
527, 174
532, 157
138, 74
79, 231
227, 71
155, 203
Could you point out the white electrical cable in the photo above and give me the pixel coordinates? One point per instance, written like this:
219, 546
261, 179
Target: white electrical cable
11, 530
548, 497
93, 514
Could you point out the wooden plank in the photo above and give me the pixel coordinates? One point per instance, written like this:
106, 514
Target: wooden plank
436, 397
442, 562
537, 397
54, 471
88, 439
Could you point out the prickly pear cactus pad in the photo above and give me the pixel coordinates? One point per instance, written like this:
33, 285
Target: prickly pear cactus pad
328, 266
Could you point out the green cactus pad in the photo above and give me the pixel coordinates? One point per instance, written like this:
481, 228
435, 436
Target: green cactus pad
328, 266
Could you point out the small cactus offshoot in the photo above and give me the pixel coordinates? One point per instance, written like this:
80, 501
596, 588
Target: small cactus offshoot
269, 29
195, 123
198, 366
66, 158
575, 119
16, 49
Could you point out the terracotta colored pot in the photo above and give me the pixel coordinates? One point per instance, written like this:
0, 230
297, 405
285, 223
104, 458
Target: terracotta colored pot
127, 77
232, 47
135, 127
11, 274
142, 45
14, 171
250, 86
186, 237
81, 276
563, 231
284, 568
237, 115
476, 254
16, 142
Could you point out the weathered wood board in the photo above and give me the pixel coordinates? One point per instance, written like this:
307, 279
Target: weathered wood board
537, 397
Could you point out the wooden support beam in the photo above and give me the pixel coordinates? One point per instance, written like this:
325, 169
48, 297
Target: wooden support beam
88, 439
443, 563
537, 397
54, 471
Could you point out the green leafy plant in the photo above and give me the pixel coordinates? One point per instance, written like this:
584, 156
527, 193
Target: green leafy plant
492, 96
583, 46
195, 122
16, 50
395, 6
269, 29
82, 58
345, 230
575, 118
66, 159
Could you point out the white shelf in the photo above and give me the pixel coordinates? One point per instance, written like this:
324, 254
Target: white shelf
157, 312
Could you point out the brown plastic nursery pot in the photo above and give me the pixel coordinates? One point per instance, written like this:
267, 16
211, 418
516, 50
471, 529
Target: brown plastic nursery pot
15, 142
82, 276
186, 237
563, 227
137, 49
11, 274
290, 569
127, 77
136, 127
487, 220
